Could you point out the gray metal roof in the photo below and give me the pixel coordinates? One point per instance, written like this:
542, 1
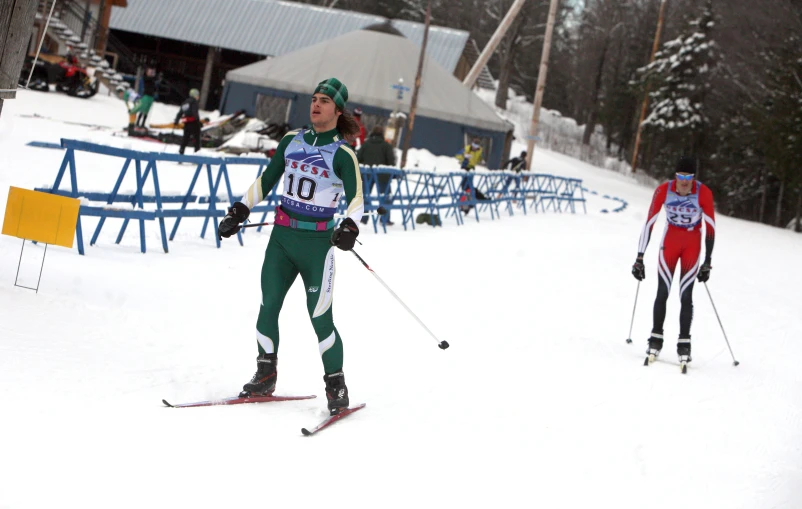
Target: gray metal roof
269, 27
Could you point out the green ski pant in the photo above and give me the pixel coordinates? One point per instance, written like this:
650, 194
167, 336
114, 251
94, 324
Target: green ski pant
291, 252
143, 105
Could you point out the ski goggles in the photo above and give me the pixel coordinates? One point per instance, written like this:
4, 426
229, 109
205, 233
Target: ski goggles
685, 178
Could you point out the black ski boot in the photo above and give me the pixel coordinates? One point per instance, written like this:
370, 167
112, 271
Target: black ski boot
684, 349
263, 382
336, 392
655, 345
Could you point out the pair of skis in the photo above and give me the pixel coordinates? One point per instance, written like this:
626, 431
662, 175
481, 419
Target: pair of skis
325, 423
651, 358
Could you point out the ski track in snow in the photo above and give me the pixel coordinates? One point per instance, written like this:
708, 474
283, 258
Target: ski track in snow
539, 402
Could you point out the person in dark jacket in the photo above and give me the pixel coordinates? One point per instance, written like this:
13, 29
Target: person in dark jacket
516, 164
376, 151
147, 98
191, 117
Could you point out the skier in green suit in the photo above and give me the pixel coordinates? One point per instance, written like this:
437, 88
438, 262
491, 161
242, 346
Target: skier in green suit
319, 167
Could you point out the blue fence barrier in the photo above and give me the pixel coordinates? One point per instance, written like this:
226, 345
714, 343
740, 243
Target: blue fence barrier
622, 203
406, 192
44, 144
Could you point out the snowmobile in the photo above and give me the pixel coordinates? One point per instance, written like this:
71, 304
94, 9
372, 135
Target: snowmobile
67, 75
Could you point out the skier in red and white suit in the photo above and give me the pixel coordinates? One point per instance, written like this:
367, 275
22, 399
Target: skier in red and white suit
688, 204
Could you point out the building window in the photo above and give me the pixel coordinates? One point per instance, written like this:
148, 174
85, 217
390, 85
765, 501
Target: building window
272, 109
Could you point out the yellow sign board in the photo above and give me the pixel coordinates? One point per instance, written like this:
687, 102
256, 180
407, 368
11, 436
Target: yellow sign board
42, 217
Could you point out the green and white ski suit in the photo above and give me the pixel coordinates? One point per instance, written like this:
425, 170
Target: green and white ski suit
318, 168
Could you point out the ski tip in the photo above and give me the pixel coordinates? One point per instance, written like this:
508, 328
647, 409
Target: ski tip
305, 432
646, 361
443, 345
684, 369
166, 403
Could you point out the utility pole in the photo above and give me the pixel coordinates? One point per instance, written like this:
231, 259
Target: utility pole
645, 104
414, 105
16, 23
491, 46
103, 20
206, 85
541, 84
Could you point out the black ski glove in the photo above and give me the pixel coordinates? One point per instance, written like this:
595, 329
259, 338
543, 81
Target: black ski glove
704, 272
345, 235
638, 270
230, 224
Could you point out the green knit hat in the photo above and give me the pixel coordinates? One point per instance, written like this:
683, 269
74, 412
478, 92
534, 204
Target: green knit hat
335, 89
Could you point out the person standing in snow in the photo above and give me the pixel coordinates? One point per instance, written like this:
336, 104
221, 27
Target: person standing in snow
470, 156
318, 167
140, 105
130, 98
688, 204
141, 110
148, 96
516, 164
360, 137
376, 151
191, 117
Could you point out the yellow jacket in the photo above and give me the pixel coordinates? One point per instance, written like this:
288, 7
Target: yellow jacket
469, 157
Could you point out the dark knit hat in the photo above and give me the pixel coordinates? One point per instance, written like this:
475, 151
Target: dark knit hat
686, 164
335, 89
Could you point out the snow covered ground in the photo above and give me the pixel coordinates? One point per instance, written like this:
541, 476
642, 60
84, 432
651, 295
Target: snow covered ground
539, 402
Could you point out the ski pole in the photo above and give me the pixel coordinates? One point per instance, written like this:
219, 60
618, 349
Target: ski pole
442, 344
629, 338
734, 362
378, 212
252, 225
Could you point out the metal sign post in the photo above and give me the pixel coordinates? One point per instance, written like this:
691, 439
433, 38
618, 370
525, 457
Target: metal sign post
40, 269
